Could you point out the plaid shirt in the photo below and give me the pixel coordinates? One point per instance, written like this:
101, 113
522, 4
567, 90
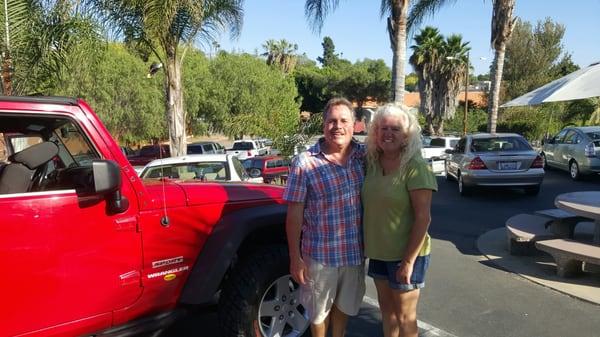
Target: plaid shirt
332, 225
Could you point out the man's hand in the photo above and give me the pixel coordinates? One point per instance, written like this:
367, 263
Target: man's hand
299, 270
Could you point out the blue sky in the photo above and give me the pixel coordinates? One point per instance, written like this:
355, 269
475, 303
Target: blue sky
358, 32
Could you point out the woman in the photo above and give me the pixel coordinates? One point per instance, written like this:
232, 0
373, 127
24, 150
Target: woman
396, 198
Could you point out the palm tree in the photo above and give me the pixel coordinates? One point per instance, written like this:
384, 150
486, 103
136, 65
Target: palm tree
440, 65
317, 10
168, 29
502, 25
281, 54
425, 59
38, 41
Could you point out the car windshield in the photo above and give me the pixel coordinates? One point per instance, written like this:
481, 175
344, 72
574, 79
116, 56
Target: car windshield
194, 149
243, 146
206, 171
504, 144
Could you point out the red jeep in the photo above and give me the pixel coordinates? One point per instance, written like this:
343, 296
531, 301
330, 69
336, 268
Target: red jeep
87, 248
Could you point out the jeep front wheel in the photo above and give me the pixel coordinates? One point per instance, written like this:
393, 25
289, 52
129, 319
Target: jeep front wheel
260, 298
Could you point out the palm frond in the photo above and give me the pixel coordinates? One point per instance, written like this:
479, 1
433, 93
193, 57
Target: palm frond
422, 9
317, 10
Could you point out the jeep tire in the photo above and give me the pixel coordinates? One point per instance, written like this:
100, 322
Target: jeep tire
260, 299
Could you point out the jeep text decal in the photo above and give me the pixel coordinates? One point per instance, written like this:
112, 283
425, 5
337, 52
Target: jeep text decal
166, 262
170, 271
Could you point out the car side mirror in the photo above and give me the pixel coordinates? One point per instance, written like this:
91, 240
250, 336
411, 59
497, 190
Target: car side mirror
450, 151
106, 176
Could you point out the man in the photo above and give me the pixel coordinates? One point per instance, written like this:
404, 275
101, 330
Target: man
324, 209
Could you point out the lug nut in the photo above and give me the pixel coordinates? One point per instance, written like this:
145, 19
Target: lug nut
277, 308
283, 298
281, 317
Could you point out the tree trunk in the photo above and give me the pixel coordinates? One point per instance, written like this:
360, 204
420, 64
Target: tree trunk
397, 31
7, 74
495, 88
175, 108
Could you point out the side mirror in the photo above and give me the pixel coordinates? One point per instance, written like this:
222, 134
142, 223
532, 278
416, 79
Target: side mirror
543, 141
449, 151
107, 182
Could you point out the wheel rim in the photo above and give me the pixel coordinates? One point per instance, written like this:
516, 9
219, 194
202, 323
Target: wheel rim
574, 170
280, 312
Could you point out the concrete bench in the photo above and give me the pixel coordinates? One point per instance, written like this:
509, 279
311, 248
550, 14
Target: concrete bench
570, 255
523, 230
563, 222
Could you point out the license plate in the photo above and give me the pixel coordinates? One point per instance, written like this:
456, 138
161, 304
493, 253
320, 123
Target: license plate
507, 165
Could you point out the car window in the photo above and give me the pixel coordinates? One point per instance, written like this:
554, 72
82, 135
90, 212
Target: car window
271, 163
570, 137
595, 137
500, 144
75, 151
207, 147
253, 163
560, 136
453, 142
194, 149
243, 146
437, 142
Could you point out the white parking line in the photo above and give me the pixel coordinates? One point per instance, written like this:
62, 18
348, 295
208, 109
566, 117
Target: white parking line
429, 330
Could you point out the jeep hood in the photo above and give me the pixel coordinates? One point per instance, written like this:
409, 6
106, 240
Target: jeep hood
178, 193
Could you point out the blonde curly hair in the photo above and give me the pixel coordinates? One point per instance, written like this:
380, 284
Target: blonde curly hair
411, 128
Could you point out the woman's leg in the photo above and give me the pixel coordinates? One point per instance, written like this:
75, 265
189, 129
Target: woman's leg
405, 309
387, 307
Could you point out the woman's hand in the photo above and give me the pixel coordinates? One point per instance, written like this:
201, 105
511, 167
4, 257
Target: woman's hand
404, 272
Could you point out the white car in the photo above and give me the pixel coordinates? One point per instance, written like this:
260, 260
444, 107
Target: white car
247, 148
435, 151
204, 167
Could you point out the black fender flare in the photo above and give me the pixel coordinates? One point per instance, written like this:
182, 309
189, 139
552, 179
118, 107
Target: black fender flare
221, 247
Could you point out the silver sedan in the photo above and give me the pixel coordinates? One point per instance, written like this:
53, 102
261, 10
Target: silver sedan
497, 160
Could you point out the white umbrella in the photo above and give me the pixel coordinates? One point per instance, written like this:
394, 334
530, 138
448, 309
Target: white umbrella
583, 83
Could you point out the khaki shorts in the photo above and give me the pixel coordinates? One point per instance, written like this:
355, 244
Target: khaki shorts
344, 286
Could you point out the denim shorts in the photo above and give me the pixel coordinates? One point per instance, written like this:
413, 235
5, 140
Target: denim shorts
386, 270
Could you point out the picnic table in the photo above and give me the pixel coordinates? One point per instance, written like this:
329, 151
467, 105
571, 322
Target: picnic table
585, 204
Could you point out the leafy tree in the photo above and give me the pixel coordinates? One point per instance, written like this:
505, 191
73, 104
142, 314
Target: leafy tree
281, 54
168, 29
411, 82
531, 56
114, 83
244, 96
329, 56
311, 84
196, 77
317, 10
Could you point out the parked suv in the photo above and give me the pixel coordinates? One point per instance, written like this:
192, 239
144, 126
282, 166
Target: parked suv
574, 149
87, 248
267, 167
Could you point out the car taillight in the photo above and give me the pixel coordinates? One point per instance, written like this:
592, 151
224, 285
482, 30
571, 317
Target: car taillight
538, 162
589, 150
477, 164
249, 153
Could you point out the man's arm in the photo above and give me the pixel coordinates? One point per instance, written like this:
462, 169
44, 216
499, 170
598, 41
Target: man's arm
293, 227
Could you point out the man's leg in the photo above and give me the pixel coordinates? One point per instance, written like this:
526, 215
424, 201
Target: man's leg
320, 330
338, 322
386, 305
